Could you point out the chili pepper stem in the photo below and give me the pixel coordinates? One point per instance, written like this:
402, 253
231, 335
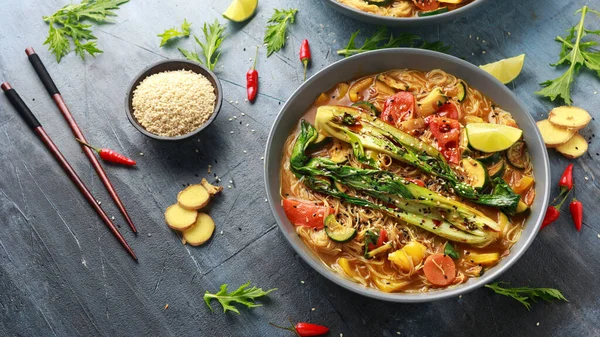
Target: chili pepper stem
255, 58
562, 201
286, 328
305, 62
88, 145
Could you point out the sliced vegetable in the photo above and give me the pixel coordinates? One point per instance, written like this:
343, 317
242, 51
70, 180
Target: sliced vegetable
379, 3
179, 218
522, 207
450, 251
398, 108
446, 132
372, 253
193, 197
517, 155
455, 2
408, 256
305, 214
345, 264
383, 90
392, 82
448, 110
488, 158
433, 12
569, 117
554, 136
439, 270
200, 232
356, 89
462, 91
488, 137
426, 5
432, 102
338, 232
497, 170
576, 147
484, 259
477, 175
524, 183
367, 107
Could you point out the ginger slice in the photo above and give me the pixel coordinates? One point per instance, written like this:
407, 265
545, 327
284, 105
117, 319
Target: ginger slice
200, 232
179, 218
193, 197
574, 148
211, 189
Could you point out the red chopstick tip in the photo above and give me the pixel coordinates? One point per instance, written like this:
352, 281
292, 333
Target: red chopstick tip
5, 86
29, 51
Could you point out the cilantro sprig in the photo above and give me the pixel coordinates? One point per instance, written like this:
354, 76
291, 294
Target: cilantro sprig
382, 39
525, 294
577, 54
213, 37
275, 34
242, 295
67, 24
173, 32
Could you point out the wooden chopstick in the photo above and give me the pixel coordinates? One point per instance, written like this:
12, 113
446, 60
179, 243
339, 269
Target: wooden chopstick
44, 76
37, 128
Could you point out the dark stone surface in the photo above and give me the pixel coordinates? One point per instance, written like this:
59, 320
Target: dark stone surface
63, 274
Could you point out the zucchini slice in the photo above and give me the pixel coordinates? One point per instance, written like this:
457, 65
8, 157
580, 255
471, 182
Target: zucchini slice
497, 170
379, 3
430, 103
433, 12
517, 155
321, 140
488, 158
476, 173
462, 91
337, 232
368, 107
371, 254
392, 82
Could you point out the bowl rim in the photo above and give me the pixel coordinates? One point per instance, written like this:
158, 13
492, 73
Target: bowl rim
390, 20
542, 194
148, 71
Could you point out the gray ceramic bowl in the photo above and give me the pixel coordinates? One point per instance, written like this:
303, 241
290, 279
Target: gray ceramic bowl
399, 22
170, 65
378, 61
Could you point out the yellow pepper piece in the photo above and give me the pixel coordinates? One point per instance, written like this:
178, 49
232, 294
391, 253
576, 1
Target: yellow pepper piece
523, 185
408, 256
484, 259
389, 286
322, 99
345, 264
522, 207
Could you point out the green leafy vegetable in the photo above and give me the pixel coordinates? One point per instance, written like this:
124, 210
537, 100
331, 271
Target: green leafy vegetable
67, 23
524, 294
213, 37
577, 54
382, 39
243, 295
174, 32
275, 34
450, 251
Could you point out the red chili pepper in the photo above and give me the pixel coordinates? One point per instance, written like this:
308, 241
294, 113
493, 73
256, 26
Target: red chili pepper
305, 329
382, 237
252, 80
110, 155
553, 212
566, 180
576, 208
305, 55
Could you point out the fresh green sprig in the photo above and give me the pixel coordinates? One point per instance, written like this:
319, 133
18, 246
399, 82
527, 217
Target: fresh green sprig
577, 54
213, 37
173, 32
66, 23
275, 34
382, 39
525, 294
243, 295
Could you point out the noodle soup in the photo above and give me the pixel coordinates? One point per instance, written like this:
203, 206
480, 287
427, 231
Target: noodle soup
405, 8
407, 181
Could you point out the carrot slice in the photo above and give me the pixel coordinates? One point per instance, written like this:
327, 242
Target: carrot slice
305, 213
439, 269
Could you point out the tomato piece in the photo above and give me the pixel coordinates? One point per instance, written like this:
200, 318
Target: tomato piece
447, 133
398, 108
427, 5
439, 269
382, 238
416, 181
448, 110
305, 213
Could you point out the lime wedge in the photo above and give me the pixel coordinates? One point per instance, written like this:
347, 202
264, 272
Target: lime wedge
487, 137
505, 70
240, 10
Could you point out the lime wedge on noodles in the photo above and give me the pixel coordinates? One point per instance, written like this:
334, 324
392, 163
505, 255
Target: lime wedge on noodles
505, 70
240, 10
487, 137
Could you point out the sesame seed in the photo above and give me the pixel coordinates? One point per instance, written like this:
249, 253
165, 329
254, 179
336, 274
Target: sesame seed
537, 324
236, 102
228, 186
141, 153
313, 309
231, 132
243, 114
99, 202
252, 130
112, 217
268, 200
234, 117
586, 178
302, 282
230, 119
221, 232
262, 158
245, 151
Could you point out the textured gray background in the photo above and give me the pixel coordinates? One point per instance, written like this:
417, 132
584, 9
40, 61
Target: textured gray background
63, 274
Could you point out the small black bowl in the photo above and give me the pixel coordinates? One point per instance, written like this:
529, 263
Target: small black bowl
170, 65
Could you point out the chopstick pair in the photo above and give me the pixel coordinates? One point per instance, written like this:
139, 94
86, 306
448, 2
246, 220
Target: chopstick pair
37, 128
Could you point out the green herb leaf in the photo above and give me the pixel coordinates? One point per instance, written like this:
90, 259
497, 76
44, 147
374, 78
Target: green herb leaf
213, 37
525, 294
575, 53
67, 23
243, 295
381, 39
275, 34
174, 33
190, 55
450, 251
